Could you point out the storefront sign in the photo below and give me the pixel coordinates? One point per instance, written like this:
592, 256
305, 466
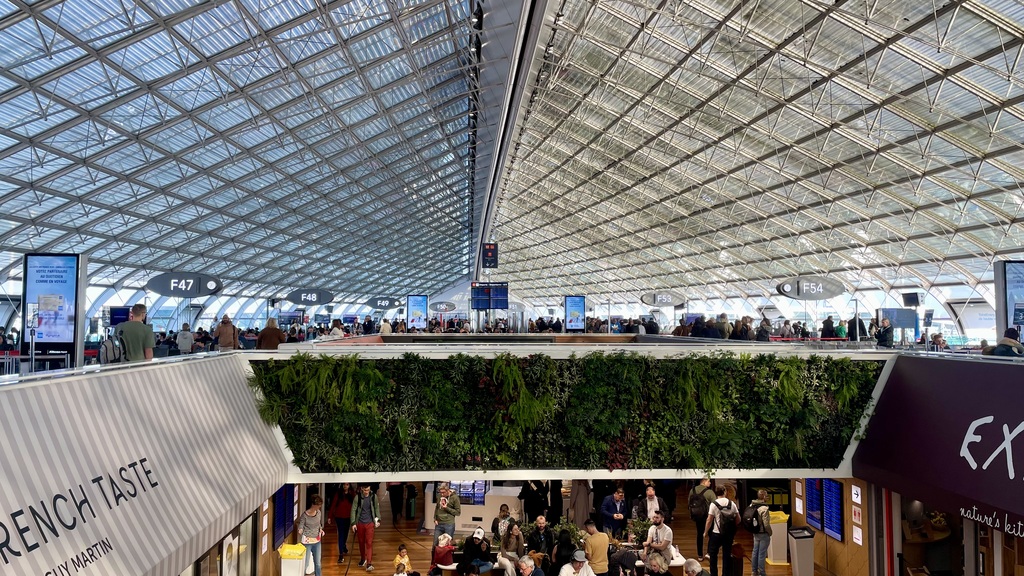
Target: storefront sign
309, 296
183, 284
934, 439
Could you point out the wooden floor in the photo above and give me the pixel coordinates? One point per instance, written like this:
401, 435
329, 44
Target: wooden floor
389, 536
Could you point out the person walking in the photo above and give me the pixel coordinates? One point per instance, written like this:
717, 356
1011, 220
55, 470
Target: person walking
341, 510
311, 532
365, 519
763, 537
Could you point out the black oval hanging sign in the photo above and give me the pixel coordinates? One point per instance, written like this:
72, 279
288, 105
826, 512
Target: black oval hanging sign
383, 303
810, 288
662, 299
184, 284
310, 296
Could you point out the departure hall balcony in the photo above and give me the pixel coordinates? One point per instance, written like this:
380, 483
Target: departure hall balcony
152, 468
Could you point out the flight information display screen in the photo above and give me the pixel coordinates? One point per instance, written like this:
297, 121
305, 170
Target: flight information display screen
832, 508
812, 491
489, 296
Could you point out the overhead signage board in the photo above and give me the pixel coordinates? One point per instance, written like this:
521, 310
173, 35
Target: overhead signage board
810, 288
417, 311
383, 303
662, 299
442, 307
309, 296
490, 255
184, 284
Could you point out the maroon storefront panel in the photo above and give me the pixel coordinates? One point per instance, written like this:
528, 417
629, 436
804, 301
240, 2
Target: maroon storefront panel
950, 432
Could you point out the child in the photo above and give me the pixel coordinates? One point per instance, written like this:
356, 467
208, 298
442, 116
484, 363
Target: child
403, 564
442, 554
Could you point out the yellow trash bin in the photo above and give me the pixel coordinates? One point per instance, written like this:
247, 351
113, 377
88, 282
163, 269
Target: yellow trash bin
293, 559
777, 547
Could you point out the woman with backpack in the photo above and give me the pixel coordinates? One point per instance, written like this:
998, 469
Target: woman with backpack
698, 503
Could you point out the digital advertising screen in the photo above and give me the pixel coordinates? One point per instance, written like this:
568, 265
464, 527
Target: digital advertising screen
575, 313
416, 305
832, 508
349, 320
489, 296
812, 492
321, 318
50, 288
286, 319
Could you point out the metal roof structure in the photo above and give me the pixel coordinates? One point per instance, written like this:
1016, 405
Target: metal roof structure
610, 147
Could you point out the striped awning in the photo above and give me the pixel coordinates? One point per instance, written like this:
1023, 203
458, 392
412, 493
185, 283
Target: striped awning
136, 471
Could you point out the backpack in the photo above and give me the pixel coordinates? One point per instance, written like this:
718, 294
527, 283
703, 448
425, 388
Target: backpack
751, 518
698, 504
111, 351
728, 517
1004, 350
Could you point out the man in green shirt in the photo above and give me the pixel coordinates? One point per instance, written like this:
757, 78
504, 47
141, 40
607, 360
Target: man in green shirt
446, 509
136, 336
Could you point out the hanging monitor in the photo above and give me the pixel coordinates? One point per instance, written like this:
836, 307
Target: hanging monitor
911, 300
489, 296
490, 255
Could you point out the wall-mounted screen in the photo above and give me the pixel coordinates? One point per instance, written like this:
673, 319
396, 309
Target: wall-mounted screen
286, 319
416, 304
322, 318
488, 295
812, 494
832, 508
575, 313
349, 320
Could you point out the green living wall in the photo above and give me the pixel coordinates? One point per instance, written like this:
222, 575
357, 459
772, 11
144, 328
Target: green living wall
345, 414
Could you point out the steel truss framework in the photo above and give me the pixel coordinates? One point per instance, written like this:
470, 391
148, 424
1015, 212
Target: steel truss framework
708, 146
273, 144
718, 146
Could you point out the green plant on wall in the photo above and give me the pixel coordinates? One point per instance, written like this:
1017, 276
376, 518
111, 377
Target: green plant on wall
618, 410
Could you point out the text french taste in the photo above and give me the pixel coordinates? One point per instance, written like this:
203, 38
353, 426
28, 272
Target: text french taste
65, 511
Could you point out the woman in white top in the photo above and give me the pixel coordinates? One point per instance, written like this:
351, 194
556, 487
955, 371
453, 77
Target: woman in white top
311, 531
336, 328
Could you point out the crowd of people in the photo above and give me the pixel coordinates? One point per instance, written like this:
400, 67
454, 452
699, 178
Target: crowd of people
531, 547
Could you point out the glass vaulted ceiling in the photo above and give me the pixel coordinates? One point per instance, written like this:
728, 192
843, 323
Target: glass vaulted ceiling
718, 146
271, 143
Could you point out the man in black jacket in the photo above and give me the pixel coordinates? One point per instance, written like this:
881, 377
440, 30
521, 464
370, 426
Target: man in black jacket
884, 335
542, 541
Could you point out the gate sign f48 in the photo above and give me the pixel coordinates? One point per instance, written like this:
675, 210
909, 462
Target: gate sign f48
310, 296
